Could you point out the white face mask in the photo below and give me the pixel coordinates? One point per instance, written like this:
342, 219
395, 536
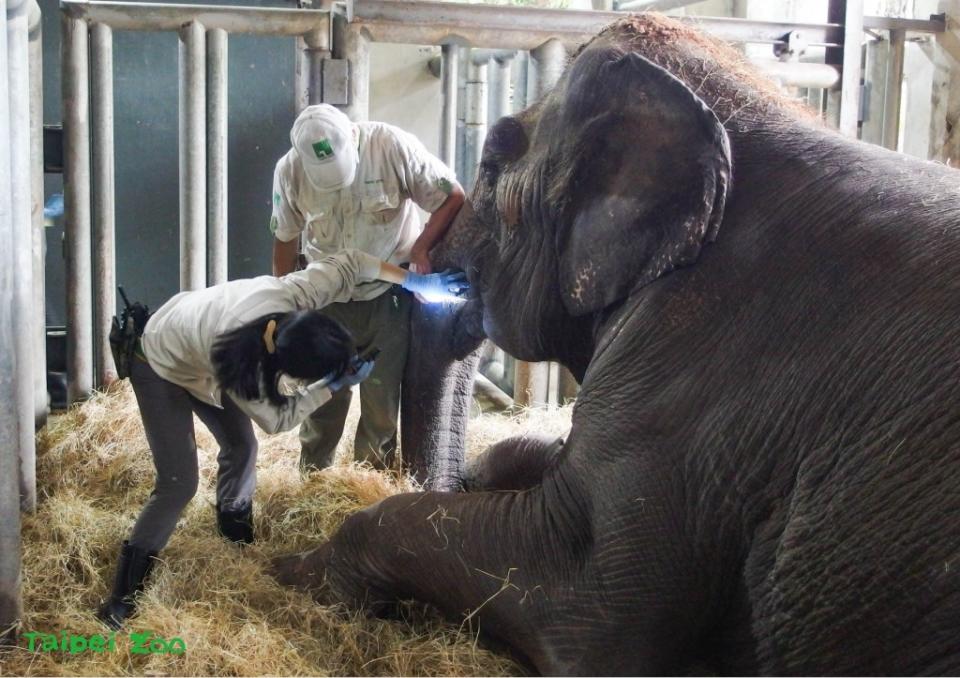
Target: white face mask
288, 386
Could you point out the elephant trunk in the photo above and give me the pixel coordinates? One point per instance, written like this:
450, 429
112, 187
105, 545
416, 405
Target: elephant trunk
437, 391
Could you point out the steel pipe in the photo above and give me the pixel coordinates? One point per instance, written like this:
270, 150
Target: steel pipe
530, 384
301, 75
849, 13
316, 49
216, 156
502, 81
475, 118
104, 231
76, 199
141, 16
799, 74
11, 421
18, 91
894, 89
449, 75
497, 26
193, 161
654, 5
38, 305
548, 60
352, 42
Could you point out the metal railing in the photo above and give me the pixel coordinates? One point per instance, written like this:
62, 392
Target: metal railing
21, 322
87, 47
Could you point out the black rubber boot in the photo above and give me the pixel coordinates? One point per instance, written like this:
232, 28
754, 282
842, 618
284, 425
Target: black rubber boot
236, 525
134, 567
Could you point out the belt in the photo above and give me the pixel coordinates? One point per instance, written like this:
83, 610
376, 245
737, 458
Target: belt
138, 350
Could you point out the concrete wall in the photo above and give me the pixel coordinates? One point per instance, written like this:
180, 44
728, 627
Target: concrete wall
403, 92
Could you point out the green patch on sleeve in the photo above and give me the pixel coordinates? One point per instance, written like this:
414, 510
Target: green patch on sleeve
276, 200
445, 185
273, 224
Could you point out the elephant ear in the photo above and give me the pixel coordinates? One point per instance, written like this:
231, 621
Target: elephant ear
651, 170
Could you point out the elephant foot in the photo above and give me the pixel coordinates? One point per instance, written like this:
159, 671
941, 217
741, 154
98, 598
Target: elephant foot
305, 571
516, 463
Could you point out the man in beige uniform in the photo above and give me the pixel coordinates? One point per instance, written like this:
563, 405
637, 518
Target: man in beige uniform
356, 185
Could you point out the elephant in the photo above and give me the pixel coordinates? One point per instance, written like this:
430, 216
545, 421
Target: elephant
763, 469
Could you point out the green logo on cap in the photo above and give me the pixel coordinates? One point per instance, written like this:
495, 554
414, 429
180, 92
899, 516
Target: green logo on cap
323, 149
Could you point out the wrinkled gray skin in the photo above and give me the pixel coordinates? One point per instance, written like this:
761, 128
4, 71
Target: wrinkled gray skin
437, 390
763, 473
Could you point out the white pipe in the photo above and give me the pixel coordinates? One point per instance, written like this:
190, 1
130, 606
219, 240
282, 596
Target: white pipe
549, 60
502, 83
352, 42
10, 421
142, 16
894, 90
475, 118
799, 74
41, 399
76, 200
104, 231
448, 132
216, 156
18, 91
193, 160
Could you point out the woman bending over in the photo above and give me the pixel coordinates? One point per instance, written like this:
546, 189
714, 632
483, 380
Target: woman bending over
255, 350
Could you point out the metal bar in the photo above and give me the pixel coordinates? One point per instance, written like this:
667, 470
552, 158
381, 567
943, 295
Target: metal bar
486, 390
484, 55
352, 42
38, 306
140, 16
894, 89
497, 26
18, 91
76, 199
530, 384
104, 231
850, 14
301, 75
568, 386
475, 118
10, 595
316, 48
549, 60
654, 5
503, 81
799, 74
935, 24
216, 156
449, 79
193, 161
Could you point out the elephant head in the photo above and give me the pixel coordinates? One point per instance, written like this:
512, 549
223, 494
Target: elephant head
616, 178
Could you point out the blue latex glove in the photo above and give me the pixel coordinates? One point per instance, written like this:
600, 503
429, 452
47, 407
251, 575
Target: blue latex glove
357, 372
437, 286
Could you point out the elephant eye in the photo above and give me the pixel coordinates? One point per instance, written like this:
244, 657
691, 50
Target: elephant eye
490, 172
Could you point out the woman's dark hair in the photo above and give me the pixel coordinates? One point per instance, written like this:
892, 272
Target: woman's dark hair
309, 345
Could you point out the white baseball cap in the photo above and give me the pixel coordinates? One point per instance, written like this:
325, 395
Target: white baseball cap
323, 139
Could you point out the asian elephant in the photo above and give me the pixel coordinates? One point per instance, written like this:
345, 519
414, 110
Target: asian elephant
763, 470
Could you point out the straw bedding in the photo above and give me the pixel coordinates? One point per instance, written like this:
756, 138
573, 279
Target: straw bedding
95, 473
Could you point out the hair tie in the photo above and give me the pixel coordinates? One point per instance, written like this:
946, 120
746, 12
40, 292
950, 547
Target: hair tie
268, 337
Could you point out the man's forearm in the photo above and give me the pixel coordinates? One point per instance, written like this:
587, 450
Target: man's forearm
439, 222
284, 257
